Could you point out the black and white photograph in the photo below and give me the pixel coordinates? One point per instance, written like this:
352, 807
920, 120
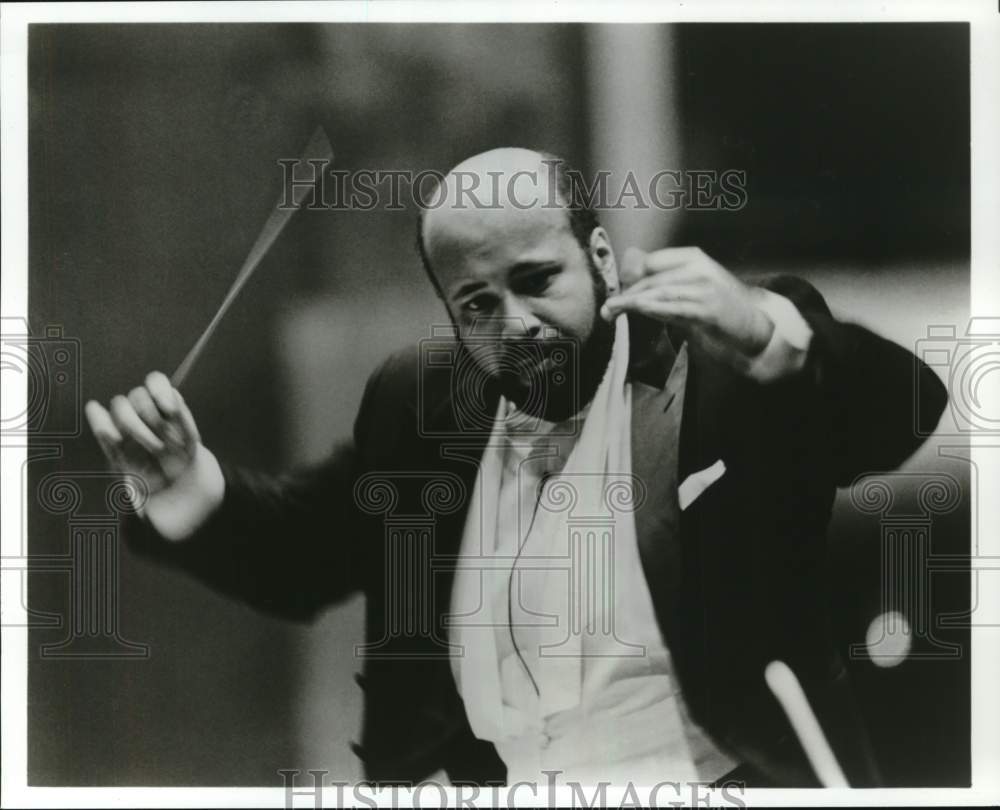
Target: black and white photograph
445, 404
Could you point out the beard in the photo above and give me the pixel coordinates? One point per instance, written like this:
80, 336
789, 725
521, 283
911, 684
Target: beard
552, 378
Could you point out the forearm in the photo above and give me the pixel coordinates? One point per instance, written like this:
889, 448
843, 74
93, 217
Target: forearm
876, 401
287, 545
886, 401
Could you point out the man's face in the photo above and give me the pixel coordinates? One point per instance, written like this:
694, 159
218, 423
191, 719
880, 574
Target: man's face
525, 297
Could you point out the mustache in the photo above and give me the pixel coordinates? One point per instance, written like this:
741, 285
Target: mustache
550, 378
518, 357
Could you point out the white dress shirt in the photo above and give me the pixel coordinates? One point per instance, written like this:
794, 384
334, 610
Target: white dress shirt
619, 716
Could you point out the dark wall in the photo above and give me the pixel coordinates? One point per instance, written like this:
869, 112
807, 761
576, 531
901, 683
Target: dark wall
149, 157
854, 138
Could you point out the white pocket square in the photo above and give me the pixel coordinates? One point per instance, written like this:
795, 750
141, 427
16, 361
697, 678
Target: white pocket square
696, 483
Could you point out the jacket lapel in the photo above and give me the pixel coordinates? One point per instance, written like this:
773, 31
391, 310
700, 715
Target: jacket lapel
657, 412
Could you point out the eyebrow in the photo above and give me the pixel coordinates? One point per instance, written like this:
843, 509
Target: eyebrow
468, 287
529, 266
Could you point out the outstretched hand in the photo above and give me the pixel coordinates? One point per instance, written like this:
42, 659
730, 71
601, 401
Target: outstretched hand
152, 434
686, 287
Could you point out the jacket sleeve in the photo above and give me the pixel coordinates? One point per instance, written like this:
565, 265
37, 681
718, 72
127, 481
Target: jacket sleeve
878, 401
288, 545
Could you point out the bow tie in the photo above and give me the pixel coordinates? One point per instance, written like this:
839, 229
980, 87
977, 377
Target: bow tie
550, 442
519, 425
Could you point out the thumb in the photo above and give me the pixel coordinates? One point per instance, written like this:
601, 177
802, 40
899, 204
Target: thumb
633, 266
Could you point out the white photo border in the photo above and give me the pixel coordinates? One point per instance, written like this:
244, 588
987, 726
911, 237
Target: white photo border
984, 19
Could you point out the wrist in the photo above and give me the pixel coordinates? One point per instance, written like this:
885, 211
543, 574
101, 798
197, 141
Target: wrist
790, 336
761, 332
180, 510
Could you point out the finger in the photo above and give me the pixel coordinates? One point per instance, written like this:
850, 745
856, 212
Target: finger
652, 307
143, 404
669, 258
170, 432
132, 427
167, 401
687, 281
691, 294
108, 437
163, 394
191, 435
633, 266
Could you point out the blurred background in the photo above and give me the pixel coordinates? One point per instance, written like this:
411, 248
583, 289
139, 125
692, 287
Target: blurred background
153, 164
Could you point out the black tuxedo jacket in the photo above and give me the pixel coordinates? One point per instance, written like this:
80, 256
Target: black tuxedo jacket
737, 579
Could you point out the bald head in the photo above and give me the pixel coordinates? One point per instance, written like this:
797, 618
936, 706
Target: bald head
495, 194
508, 179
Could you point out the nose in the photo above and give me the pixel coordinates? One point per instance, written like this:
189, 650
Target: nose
519, 320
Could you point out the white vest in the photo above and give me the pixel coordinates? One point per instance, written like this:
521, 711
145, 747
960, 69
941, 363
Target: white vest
594, 697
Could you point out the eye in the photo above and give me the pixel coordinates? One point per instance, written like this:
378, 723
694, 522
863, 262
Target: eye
478, 303
537, 282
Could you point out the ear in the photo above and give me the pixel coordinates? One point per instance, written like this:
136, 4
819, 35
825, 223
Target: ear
603, 256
